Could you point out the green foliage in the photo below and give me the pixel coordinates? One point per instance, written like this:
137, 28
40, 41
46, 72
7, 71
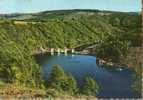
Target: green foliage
113, 48
23, 34
61, 82
66, 83
56, 78
137, 85
14, 68
90, 87
71, 85
2, 83
16, 64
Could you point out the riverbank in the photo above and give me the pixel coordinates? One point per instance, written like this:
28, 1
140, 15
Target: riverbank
133, 59
123, 62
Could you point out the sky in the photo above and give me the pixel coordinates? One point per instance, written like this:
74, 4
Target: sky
31, 6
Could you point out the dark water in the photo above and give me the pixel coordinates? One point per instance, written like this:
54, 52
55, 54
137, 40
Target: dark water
114, 82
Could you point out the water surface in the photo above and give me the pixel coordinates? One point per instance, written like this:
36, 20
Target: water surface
114, 82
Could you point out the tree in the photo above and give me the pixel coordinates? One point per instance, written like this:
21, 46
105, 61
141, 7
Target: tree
112, 48
57, 78
71, 85
90, 86
61, 81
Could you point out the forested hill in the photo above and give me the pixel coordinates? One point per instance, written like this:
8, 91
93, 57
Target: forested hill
60, 14
84, 24
21, 34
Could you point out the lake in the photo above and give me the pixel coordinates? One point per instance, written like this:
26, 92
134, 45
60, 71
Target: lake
115, 82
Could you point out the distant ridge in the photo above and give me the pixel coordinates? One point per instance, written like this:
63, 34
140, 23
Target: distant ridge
23, 16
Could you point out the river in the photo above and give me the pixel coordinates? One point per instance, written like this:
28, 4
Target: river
115, 82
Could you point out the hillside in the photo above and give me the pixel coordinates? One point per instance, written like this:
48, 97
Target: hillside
21, 34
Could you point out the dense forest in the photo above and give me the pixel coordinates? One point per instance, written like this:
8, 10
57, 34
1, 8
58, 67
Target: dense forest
22, 34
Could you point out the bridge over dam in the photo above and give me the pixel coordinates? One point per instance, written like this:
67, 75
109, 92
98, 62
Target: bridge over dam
82, 49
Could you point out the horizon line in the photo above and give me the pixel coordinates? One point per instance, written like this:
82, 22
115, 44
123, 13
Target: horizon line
34, 12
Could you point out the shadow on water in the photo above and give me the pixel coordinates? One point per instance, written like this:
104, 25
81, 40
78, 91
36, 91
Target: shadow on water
115, 82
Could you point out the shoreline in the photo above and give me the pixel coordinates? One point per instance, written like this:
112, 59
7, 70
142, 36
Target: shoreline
123, 62
99, 61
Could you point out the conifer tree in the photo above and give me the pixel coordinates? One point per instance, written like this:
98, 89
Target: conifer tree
90, 86
56, 78
71, 84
